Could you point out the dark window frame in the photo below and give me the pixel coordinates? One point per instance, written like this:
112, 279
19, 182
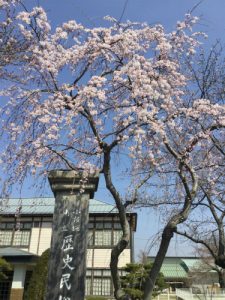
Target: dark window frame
91, 276
111, 225
15, 227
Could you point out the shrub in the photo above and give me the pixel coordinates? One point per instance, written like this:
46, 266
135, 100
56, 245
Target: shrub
4, 268
134, 281
37, 286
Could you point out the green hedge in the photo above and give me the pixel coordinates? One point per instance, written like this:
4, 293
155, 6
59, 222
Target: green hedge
37, 285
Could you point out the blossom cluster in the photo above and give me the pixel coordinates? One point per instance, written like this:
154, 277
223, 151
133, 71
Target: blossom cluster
82, 88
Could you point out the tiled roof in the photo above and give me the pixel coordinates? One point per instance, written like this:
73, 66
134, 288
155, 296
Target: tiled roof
179, 267
45, 206
173, 270
97, 206
192, 263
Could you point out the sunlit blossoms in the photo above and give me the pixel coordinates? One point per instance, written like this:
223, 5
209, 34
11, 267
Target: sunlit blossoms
77, 97
82, 87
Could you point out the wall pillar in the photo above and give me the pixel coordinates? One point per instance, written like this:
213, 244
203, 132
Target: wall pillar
17, 288
67, 263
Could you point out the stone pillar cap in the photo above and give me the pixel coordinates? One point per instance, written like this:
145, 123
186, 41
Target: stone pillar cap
69, 180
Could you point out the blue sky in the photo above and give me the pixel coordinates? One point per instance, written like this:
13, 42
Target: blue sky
167, 12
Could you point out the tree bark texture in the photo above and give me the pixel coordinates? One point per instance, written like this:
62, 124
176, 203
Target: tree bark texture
122, 244
221, 279
150, 282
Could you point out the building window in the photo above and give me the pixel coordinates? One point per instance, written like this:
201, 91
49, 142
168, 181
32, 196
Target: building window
21, 238
6, 237
117, 234
15, 234
103, 238
106, 286
97, 286
104, 234
117, 226
88, 286
98, 282
36, 224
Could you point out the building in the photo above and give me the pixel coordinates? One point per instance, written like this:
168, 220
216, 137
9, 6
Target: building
188, 278
25, 233
176, 270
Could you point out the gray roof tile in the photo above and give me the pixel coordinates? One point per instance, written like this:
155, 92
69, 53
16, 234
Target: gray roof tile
45, 206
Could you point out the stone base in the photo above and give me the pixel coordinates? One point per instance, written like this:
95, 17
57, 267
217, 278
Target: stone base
16, 294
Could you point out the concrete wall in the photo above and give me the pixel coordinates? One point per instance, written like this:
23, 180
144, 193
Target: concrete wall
100, 258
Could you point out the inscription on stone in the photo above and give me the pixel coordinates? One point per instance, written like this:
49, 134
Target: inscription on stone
67, 263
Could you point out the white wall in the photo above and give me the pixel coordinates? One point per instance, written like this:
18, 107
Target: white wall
45, 237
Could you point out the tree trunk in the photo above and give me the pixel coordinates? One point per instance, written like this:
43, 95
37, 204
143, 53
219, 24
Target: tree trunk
150, 282
122, 244
221, 279
178, 218
116, 251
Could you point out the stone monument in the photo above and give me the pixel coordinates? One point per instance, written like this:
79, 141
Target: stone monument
67, 263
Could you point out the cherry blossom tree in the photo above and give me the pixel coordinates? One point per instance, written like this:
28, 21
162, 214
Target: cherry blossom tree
205, 226
87, 95
197, 151
12, 43
188, 161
